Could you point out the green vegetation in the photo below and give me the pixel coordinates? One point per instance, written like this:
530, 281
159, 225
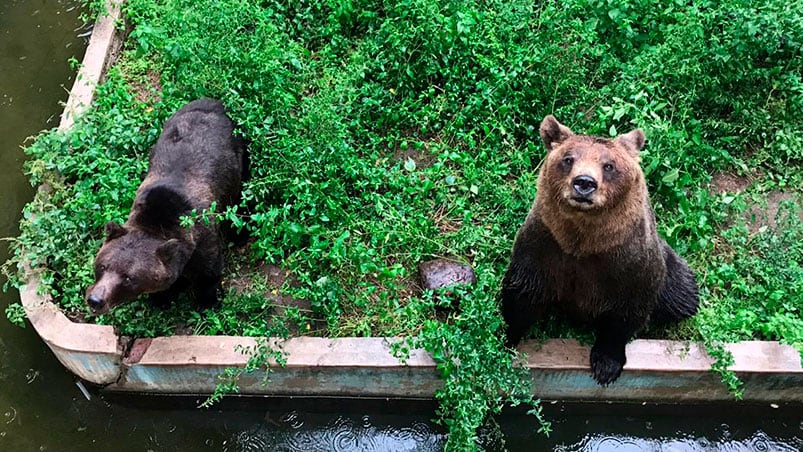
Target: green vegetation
383, 134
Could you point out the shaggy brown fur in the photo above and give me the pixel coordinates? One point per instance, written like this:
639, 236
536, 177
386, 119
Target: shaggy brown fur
197, 161
589, 246
622, 195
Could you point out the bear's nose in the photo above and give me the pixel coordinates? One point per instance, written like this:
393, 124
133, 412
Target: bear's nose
584, 185
95, 303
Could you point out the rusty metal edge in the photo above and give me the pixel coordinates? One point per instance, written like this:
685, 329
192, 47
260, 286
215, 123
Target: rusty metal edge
360, 367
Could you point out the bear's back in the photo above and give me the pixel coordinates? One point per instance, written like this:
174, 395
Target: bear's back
198, 152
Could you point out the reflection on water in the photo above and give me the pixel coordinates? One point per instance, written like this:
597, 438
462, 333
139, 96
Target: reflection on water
759, 442
42, 408
36, 39
579, 428
674, 428
295, 434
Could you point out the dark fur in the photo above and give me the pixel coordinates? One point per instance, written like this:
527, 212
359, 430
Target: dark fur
196, 161
616, 284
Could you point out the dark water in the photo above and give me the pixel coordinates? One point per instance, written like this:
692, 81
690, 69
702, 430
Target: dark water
43, 409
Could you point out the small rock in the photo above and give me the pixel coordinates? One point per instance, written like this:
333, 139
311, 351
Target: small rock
439, 273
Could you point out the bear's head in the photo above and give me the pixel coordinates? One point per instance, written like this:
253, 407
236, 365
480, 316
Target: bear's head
591, 190
133, 262
587, 173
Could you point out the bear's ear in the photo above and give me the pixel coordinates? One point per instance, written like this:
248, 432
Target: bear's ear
172, 252
553, 133
632, 141
114, 230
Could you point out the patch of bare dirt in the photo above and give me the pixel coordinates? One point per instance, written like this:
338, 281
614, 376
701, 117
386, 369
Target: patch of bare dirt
444, 222
729, 183
183, 330
422, 159
422, 156
764, 214
275, 277
149, 92
761, 211
77, 317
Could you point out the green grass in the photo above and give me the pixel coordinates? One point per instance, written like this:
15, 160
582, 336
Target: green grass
383, 134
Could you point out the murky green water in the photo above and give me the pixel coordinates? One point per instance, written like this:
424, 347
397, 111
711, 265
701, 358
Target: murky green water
42, 407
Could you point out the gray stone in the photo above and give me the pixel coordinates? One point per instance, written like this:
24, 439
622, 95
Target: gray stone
439, 273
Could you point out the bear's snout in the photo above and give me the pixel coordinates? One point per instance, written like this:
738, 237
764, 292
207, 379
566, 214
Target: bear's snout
96, 304
97, 298
584, 185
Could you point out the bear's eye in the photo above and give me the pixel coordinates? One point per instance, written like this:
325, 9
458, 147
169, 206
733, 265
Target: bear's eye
568, 160
126, 278
608, 167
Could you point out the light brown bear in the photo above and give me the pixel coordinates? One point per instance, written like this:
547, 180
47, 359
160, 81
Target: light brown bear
589, 247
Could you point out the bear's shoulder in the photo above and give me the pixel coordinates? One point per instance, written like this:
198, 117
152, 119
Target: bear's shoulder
160, 206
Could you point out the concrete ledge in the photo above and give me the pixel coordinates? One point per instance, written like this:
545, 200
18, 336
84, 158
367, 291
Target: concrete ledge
348, 367
98, 56
363, 367
90, 351
666, 371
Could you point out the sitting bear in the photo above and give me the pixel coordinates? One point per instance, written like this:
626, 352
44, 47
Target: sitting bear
197, 161
589, 247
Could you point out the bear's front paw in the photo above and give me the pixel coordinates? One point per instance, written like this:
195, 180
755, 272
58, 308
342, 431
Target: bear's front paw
208, 296
512, 340
605, 366
162, 299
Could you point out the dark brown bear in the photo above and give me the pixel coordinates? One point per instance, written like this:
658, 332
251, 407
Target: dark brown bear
196, 161
589, 247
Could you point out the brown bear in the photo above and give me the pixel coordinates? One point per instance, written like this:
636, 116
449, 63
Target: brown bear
589, 247
197, 161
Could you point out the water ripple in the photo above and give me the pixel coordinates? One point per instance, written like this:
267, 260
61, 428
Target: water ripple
293, 420
254, 440
339, 435
10, 415
758, 442
619, 444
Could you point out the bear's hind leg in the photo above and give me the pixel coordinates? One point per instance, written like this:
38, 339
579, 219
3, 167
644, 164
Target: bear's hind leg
678, 299
518, 322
